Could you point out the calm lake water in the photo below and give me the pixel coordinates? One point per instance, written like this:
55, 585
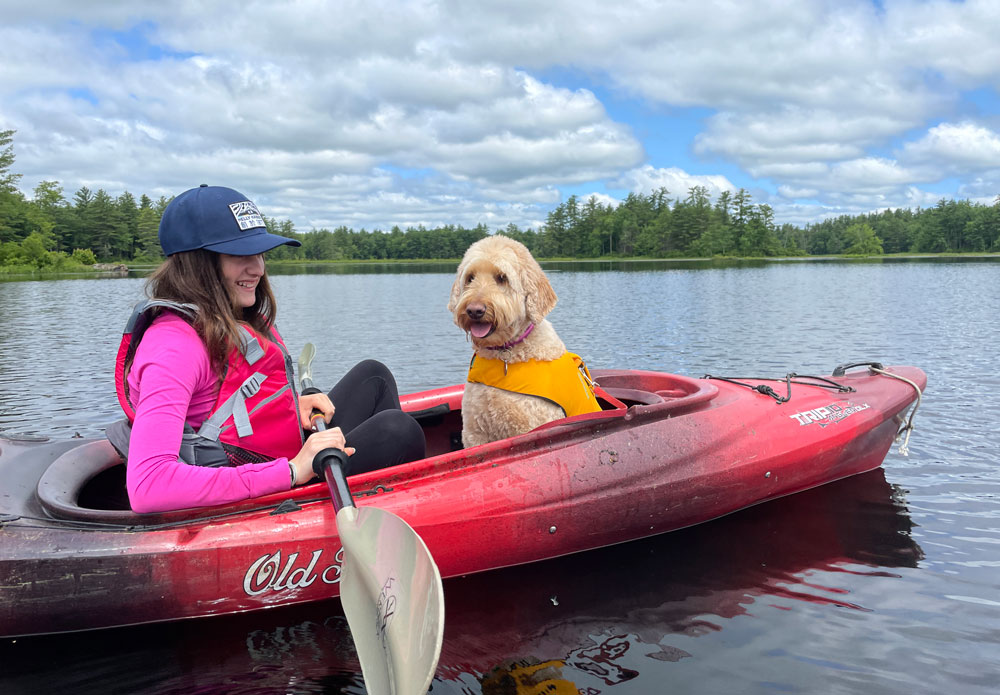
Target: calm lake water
884, 583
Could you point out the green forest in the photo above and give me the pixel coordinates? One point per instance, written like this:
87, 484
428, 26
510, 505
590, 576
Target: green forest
50, 232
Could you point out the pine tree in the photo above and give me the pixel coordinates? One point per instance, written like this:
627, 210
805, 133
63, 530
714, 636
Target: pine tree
8, 181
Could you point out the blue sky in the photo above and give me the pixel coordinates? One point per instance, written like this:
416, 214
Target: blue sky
445, 112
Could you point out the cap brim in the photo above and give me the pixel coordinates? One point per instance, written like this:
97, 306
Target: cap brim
251, 244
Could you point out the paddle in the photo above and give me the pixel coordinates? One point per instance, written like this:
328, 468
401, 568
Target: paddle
390, 587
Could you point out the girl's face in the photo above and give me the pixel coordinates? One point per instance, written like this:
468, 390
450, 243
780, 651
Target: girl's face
240, 274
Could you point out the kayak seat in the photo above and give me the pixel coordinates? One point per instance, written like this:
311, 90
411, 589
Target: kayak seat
87, 482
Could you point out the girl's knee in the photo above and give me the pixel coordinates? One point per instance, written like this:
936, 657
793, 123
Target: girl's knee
405, 432
373, 368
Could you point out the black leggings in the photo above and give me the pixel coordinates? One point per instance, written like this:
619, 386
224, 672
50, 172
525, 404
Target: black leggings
366, 408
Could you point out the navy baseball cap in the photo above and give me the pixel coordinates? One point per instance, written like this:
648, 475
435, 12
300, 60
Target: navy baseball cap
217, 219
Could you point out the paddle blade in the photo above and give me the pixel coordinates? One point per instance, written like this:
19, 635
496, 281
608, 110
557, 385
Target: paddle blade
391, 591
305, 365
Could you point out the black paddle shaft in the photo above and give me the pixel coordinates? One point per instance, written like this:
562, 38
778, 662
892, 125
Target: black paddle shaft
329, 464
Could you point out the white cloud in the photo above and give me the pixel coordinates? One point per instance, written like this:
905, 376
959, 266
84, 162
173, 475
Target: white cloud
647, 179
914, 198
957, 40
868, 173
963, 147
867, 177
792, 193
792, 135
602, 199
493, 131
983, 189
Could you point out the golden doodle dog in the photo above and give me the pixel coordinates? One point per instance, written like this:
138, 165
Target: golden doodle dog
521, 375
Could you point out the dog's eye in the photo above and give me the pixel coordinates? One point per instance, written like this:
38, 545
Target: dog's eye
501, 279
469, 278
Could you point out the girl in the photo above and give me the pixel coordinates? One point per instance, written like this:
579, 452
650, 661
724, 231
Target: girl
208, 387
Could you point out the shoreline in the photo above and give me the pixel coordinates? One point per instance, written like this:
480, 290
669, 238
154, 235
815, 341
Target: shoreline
118, 269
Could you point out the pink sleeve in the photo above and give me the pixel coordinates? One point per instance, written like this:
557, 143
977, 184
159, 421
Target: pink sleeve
173, 383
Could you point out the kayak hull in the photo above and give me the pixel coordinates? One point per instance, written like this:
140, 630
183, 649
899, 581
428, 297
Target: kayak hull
682, 452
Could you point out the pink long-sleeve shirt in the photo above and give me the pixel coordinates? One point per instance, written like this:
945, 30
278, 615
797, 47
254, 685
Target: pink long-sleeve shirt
171, 382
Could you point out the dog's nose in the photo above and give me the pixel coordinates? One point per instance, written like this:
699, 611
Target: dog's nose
475, 311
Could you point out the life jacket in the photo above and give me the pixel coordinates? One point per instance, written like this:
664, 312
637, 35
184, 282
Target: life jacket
564, 381
255, 417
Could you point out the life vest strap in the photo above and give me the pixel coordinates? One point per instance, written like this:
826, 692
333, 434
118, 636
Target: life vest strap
236, 406
140, 309
608, 398
250, 346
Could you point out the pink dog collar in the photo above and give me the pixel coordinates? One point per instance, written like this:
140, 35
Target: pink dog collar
512, 343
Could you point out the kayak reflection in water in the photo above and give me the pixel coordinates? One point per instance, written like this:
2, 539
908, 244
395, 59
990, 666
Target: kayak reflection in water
206, 382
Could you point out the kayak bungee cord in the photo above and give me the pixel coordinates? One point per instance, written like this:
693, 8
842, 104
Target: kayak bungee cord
875, 367
768, 391
904, 448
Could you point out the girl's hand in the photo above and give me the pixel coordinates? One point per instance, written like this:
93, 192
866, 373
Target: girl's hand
315, 443
314, 401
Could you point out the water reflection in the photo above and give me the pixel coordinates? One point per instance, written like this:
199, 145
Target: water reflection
528, 677
575, 624
389, 268
589, 610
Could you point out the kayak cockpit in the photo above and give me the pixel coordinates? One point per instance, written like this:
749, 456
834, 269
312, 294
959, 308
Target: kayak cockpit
650, 393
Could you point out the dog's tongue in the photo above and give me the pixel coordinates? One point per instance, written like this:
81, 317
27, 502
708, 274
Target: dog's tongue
481, 329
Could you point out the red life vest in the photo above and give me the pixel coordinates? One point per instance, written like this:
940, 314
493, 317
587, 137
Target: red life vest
256, 415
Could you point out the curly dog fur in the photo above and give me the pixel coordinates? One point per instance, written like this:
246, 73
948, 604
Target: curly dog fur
499, 291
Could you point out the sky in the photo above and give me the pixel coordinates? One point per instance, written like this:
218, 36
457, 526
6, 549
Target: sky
407, 112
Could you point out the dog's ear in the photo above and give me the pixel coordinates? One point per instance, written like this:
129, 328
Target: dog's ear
539, 295
456, 287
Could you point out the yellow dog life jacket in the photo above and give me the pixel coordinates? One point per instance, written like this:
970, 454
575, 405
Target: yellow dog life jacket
564, 381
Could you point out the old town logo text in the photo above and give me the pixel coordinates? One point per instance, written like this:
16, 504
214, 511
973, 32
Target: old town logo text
269, 573
385, 608
829, 414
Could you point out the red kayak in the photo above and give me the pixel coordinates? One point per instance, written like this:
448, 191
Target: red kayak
671, 452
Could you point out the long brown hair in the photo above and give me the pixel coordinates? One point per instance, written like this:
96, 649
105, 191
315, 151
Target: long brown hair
195, 277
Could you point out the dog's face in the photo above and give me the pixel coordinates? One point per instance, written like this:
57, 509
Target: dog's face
499, 289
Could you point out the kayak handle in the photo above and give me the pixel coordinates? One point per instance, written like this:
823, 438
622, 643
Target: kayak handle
842, 368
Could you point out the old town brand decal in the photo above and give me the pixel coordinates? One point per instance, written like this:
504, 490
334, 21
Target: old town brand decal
274, 573
829, 414
385, 608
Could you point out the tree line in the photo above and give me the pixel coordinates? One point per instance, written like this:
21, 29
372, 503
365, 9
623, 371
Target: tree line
49, 231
